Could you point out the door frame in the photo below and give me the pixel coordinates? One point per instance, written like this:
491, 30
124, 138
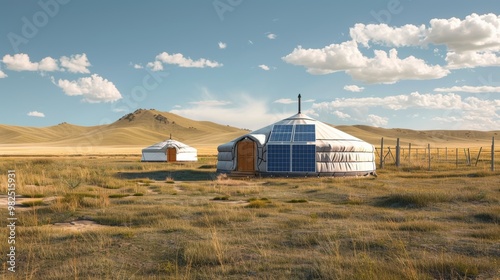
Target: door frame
246, 141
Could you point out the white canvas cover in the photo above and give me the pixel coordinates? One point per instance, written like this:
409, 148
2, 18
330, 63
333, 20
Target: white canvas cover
158, 151
336, 153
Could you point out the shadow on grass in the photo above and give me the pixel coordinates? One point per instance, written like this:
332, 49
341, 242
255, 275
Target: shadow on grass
176, 175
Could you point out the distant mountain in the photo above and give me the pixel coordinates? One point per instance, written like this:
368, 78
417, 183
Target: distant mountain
142, 127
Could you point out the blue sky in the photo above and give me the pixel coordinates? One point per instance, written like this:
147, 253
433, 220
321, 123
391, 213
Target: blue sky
391, 63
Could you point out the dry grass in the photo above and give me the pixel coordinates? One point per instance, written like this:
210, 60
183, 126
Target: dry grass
181, 221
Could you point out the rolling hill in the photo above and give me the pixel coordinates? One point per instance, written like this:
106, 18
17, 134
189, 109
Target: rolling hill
136, 130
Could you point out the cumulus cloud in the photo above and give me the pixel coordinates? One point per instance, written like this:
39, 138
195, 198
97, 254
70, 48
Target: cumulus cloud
383, 68
19, 62
407, 35
94, 89
473, 113
264, 67
48, 64
330, 59
36, 114
222, 45
471, 42
389, 68
475, 32
2, 75
353, 88
138, 66
76, 63
471, 59
471, 89
181, 61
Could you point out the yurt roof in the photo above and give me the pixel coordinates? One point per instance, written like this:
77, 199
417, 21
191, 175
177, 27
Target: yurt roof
325, 135
170, 143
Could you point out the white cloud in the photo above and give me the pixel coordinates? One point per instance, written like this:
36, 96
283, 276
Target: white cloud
466, 113
94, 89
48, 64
341, 115
77, 63
36, 114
471, 59
271, 36
330, 59
407, 35
378, 121
138, 66
264, 67
155, 65
475, 32
222, 45
398, 102
250, 42
353, 88
2, 75
389, 68
181, 61
19, 62
471, 89
471, 42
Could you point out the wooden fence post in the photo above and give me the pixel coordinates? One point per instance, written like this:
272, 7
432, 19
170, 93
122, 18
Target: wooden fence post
398, 153
409, 153
382, 153
493, 153
429, 151
478, 155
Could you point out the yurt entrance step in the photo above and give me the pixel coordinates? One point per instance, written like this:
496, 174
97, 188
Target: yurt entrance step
242, 174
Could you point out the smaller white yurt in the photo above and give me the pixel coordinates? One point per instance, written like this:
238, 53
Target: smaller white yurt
169, 150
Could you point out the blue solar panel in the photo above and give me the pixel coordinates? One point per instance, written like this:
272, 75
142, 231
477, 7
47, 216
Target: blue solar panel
305, 128
278, 158
304, 158
281, 133
305, 132
283, 128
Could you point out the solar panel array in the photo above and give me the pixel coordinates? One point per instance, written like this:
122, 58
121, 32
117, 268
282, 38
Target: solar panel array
288, 150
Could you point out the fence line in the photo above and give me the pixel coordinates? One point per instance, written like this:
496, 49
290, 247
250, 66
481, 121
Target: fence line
434, 156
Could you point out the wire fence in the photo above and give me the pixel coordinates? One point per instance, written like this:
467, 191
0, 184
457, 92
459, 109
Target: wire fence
437, 158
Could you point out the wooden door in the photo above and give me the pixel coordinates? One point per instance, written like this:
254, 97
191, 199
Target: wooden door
246, 156
171, 154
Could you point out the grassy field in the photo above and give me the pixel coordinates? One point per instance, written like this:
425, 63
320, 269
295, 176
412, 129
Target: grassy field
113, 217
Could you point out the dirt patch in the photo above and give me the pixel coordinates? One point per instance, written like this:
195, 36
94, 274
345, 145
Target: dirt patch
79, 225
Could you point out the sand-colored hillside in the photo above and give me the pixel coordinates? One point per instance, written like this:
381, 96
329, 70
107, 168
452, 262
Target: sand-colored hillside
436, 138
134, 131
128, 135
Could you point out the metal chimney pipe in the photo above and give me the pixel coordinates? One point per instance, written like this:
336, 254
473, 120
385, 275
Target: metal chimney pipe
299, 102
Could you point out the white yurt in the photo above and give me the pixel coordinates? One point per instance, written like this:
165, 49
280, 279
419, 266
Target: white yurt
169, 150
297, 146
